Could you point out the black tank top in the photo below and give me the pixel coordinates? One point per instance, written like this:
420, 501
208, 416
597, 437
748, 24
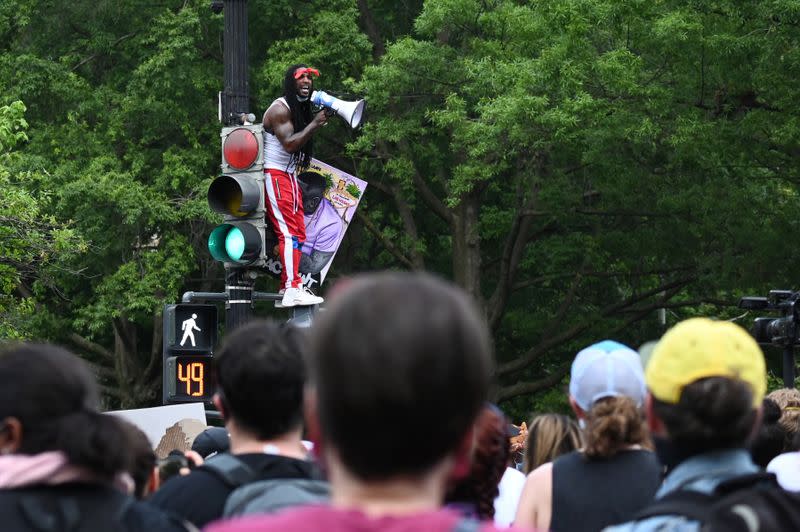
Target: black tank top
589, 495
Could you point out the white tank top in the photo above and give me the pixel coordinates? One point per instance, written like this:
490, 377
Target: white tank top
274, 154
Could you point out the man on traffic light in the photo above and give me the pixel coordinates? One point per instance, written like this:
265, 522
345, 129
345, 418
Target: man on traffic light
289, 127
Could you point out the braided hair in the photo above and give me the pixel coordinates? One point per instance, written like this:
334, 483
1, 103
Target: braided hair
301, 117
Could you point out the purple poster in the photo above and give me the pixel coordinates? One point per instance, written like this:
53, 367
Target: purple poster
330, 200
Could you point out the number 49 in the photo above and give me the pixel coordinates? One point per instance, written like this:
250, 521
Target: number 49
193, 372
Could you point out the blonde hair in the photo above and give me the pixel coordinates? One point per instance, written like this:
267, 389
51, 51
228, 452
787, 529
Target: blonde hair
613, 424
550, 436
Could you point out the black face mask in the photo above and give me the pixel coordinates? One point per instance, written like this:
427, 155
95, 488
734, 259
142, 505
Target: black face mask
668, 454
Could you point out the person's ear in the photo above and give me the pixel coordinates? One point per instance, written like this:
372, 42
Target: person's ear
312, 423
757, 419
462, 458
10, 435
219, 404
153, 482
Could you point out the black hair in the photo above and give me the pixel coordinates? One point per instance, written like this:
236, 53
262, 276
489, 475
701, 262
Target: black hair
713, 413
54, 396
401, 364
260, 376
301, 117
770, 438
144, 459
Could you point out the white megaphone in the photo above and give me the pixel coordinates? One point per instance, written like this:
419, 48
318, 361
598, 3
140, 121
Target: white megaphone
352, 112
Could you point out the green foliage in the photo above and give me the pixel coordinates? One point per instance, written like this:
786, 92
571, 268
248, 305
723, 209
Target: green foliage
32, 242
574, 164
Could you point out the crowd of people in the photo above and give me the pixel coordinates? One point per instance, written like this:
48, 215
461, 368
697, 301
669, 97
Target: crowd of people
376, 419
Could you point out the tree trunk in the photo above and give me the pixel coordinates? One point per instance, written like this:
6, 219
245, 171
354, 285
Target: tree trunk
467, 247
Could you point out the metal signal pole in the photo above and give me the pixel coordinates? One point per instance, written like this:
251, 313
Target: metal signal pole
235, 102
236, 96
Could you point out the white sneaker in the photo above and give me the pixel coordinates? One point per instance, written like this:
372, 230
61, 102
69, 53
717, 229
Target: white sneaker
299, 297
279, 302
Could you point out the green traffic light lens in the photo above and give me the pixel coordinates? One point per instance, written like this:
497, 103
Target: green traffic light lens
235, 243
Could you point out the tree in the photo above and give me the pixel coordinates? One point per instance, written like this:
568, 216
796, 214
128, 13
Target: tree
122, 103
574, 164
32, 243
588, 162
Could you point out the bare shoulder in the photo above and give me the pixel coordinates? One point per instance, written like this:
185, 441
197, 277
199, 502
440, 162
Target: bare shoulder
276, 114
541, 476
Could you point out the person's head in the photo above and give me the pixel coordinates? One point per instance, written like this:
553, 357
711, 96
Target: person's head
298, 83
607, 392
788, 400
48, 402
212, 441
144, 470
550, 436
312, 185
706, 380
770, 438
489, 457
260, 378
403, 359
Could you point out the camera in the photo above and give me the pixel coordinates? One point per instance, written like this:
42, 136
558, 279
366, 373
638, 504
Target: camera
780, 331
171, 465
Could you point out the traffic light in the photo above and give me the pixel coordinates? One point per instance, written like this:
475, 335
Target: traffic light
190, 334
238, 194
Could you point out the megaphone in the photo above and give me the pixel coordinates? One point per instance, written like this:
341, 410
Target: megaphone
352, 112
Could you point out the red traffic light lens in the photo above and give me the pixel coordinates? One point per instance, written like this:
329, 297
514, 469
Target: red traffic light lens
240, 148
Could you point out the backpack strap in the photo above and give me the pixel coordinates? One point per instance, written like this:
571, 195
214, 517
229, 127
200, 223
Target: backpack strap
230, 469
270, 496
688, 503
698, 506
746, 481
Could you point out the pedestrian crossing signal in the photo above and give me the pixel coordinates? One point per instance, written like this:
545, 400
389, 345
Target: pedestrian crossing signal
190, 336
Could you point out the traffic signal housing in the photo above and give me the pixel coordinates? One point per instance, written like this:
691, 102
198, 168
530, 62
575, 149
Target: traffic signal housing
238, 194
190, 335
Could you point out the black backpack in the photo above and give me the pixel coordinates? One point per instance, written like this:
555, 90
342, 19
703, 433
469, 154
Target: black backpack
80, 508
251, 495
747, 503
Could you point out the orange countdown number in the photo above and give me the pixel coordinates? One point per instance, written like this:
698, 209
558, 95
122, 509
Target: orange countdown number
190, 373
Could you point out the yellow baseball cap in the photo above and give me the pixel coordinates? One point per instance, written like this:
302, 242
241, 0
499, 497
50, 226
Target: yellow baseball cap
698, 348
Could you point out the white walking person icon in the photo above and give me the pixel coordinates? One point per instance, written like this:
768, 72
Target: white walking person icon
188, 327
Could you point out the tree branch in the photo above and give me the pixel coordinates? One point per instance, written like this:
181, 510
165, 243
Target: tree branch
522, 388
387, 243
515, 244
549, 341
553, 276
410, 226
94, 56
88, 345
432, 200
378, 47
156, 346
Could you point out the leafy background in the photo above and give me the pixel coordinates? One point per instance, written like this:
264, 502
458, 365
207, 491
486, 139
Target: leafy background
583, 168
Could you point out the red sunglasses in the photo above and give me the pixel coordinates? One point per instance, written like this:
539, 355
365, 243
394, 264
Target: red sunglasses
300, 71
